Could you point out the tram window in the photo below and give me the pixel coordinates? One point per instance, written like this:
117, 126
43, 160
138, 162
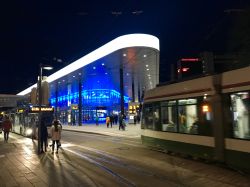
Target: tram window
168, 103
187, 118
241, 114
168, 117
148, 116
187, 101
156, 119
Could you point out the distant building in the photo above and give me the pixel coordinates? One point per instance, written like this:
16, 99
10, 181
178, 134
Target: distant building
8, 101
104, 81
206, 63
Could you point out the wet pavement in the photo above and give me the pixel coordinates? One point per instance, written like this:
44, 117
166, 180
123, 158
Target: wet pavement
21, 166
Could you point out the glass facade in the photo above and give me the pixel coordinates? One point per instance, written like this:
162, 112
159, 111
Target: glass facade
94, 90
99, 102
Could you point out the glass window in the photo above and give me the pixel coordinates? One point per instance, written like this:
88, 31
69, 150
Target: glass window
188, 117
148, 117
168, 103
156, 113
168, 116
241, 116
187, 101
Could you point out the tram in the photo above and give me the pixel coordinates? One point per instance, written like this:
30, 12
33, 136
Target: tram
206, 117
25, 120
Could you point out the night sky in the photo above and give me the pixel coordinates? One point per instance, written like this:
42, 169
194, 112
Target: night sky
59, 32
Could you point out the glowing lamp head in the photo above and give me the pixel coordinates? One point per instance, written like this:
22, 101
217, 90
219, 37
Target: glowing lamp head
47, 67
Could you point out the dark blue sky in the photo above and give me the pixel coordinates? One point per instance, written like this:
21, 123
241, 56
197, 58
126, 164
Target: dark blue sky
33, 32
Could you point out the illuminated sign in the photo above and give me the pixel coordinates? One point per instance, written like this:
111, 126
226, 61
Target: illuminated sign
43, 109
205, 108
74, 106
133, 108
185, 69
190, 59
20, 110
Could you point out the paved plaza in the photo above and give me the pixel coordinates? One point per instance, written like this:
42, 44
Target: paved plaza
21, 166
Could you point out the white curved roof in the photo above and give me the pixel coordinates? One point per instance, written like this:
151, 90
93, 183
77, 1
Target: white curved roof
125, 41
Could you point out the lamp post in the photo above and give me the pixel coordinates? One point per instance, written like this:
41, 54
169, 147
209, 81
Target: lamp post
41, 67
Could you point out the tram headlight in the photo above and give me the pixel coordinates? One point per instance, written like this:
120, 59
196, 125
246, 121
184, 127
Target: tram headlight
28, 131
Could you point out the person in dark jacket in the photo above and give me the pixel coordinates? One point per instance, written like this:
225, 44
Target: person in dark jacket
44, 137
7, 126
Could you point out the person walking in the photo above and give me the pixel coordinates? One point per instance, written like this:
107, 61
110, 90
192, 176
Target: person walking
111, 120
116, 118
56, 135
97, 120
107, 121
135, 118
7, 126
33, 125
44, 137
120, 121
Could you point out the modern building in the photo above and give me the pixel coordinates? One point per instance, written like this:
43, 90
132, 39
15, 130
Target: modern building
8, 101
94, 84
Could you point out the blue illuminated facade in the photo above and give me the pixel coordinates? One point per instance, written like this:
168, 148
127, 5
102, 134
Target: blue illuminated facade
101, 102
93, 85
93, 97
95, 88
92, 90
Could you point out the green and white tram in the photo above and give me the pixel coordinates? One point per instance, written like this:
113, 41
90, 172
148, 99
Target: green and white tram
206, 117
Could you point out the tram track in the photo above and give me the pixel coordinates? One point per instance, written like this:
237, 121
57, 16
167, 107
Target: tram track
113, 173
115, 140
119, 168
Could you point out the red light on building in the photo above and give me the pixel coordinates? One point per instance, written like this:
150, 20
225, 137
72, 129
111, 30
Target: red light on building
190, 59
185, 69
189, 67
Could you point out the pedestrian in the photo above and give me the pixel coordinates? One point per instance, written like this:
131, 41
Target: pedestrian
7, 126
34, 126
123, 124
107, 121
44, 136
138, 118
111, 120
116, 119
56, 130
97, 120
120, 121
135, 118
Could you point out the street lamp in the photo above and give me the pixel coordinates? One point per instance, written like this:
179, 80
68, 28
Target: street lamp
41, 67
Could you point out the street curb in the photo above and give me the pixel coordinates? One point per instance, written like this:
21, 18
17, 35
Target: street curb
86, 132
97, 133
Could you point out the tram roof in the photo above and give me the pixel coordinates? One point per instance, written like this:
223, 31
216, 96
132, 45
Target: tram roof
122, 42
